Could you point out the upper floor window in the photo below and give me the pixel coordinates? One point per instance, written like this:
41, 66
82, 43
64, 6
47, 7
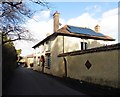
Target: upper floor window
47, 42
47, 46
42, 48
83, 45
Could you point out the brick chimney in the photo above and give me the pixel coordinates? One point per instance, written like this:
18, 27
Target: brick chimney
97, 28
55, 21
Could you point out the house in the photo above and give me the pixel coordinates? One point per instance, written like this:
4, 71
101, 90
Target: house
69, 39
29, 59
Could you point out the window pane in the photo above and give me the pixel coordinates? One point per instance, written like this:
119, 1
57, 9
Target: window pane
85, 46
81, 45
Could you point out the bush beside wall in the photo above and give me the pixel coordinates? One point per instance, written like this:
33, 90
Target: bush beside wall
9, 61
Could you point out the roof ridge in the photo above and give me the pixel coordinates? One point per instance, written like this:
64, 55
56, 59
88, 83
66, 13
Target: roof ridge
78, 26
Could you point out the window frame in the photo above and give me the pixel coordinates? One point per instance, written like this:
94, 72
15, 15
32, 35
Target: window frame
84, 45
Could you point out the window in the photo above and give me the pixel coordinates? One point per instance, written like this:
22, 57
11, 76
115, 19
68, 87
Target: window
47, 42
42, 48
83, 45
47, 46
48, 61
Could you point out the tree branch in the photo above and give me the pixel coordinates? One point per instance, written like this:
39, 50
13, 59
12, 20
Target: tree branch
13, 14
12, 4
10, 40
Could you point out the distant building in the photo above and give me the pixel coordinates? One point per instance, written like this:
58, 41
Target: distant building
29, 59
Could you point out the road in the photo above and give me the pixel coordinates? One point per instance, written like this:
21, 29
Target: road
28, 82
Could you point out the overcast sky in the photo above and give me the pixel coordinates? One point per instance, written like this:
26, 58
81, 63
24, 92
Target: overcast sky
87, 14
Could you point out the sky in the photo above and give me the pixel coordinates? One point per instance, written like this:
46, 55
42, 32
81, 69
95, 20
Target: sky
83, 14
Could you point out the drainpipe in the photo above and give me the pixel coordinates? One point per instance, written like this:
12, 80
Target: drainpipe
64, 59
63, 44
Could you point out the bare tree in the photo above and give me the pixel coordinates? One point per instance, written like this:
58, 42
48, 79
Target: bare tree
13, 15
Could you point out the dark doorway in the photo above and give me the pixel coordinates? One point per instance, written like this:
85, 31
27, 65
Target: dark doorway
43, 62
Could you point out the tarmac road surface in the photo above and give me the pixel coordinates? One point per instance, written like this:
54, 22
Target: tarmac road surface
25, 81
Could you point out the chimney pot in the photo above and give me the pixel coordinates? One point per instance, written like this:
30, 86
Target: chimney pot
97, 28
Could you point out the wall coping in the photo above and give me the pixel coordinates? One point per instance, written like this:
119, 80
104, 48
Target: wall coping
92, 50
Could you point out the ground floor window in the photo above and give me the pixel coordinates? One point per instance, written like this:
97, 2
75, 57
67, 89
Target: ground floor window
48, 61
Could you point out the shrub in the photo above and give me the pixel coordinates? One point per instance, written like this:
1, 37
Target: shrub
9, 61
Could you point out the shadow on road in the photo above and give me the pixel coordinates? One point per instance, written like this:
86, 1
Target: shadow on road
26, 81
88, 88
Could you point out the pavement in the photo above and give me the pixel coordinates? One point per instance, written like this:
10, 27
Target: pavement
25, 81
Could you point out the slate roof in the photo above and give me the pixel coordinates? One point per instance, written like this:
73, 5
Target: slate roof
80, 32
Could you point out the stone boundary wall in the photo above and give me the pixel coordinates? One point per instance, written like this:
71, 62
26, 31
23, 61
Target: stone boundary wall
97, 65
